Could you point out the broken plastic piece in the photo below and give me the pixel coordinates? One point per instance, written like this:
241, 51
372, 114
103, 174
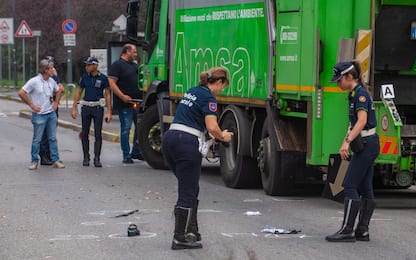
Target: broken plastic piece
279, 231
252, 213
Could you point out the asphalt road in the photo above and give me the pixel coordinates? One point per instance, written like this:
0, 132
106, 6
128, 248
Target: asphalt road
71, 213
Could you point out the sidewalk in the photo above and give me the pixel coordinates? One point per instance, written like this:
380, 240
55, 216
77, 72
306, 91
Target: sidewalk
110, 131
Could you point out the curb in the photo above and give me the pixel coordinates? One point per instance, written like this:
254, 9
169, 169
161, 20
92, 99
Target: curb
108, 136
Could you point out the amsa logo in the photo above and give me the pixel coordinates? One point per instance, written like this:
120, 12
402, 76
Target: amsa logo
288, 34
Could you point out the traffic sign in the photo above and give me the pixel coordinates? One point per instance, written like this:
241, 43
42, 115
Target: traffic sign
69, 26
70, 40
23, 30
6, 31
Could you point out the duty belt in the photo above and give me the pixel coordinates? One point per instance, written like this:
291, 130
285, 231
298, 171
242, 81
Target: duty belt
89, 103
186, 129
365, 133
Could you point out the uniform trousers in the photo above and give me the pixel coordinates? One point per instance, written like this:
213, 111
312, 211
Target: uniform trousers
359, 178
88, 114
180, 150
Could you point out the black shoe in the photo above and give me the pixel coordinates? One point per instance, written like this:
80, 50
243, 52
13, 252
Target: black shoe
128, 160
86, 162
180, 240
97, 163
346, 233
137, 156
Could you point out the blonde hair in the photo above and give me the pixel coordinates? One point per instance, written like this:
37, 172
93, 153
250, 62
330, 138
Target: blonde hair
212, 75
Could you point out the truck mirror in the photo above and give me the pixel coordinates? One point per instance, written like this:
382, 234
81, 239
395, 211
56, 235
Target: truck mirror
132, 7
131, 28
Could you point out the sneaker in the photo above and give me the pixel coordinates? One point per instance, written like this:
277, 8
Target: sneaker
58, 165
33, 166
137, 156
128, 160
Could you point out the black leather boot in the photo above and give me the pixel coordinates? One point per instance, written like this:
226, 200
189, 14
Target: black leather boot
86, 151
45, 158
182, 219
366, 212
97, 153
346, 233
193, 224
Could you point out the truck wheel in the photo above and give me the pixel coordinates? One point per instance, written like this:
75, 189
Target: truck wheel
277, 167
150, 138
238, 168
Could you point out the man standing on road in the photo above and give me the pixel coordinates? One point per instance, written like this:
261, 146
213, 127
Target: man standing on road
45, 154
38, 94
123, 82
93, 103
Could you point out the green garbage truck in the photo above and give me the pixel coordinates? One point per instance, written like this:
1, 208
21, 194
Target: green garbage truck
287, 119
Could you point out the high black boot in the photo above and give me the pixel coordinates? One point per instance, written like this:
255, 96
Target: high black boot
346, 233
97, 152
45, 158
86, 151
193, 225
366, 211
182, 219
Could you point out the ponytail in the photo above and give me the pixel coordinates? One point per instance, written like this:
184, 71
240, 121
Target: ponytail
212, 75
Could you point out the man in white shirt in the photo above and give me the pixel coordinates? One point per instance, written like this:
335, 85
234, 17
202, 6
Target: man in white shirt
38, 93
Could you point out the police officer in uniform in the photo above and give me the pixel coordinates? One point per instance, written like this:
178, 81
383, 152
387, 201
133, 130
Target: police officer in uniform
362, 139
94, 83
196, 114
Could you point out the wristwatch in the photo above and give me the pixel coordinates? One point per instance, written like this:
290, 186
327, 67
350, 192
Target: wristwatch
347, 140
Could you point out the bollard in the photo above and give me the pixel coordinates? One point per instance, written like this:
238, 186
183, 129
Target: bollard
69, 88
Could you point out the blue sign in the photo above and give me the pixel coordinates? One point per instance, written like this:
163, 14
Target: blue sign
69, 26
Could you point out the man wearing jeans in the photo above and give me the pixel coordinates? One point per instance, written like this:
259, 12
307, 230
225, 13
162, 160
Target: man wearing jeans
38, 94
122, 77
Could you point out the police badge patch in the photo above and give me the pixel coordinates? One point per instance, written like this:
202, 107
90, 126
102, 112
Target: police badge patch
212, 106
362, 99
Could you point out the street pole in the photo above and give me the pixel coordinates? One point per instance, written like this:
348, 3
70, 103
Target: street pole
15, 68
9, 63
69, 51
23, 59
1, 65
14, 46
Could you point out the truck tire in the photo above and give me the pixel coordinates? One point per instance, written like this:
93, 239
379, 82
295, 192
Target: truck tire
277, 167
150, 138
238, 168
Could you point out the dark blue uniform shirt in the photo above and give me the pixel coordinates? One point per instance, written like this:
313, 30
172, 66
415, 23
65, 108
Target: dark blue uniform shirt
94, 86
360, 100
196, 103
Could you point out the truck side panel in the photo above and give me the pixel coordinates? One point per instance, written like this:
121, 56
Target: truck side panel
228, 34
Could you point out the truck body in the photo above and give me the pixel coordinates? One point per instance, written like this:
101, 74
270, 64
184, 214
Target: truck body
287, 119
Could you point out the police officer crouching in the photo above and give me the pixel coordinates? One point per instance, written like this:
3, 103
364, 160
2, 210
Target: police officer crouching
182, 147
362, 139
94, 83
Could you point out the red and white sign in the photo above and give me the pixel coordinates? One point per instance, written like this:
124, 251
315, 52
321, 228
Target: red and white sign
23, 30
69, 26
6, 31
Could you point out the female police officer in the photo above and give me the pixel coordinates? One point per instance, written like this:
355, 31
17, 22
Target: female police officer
362, 139
196, 113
